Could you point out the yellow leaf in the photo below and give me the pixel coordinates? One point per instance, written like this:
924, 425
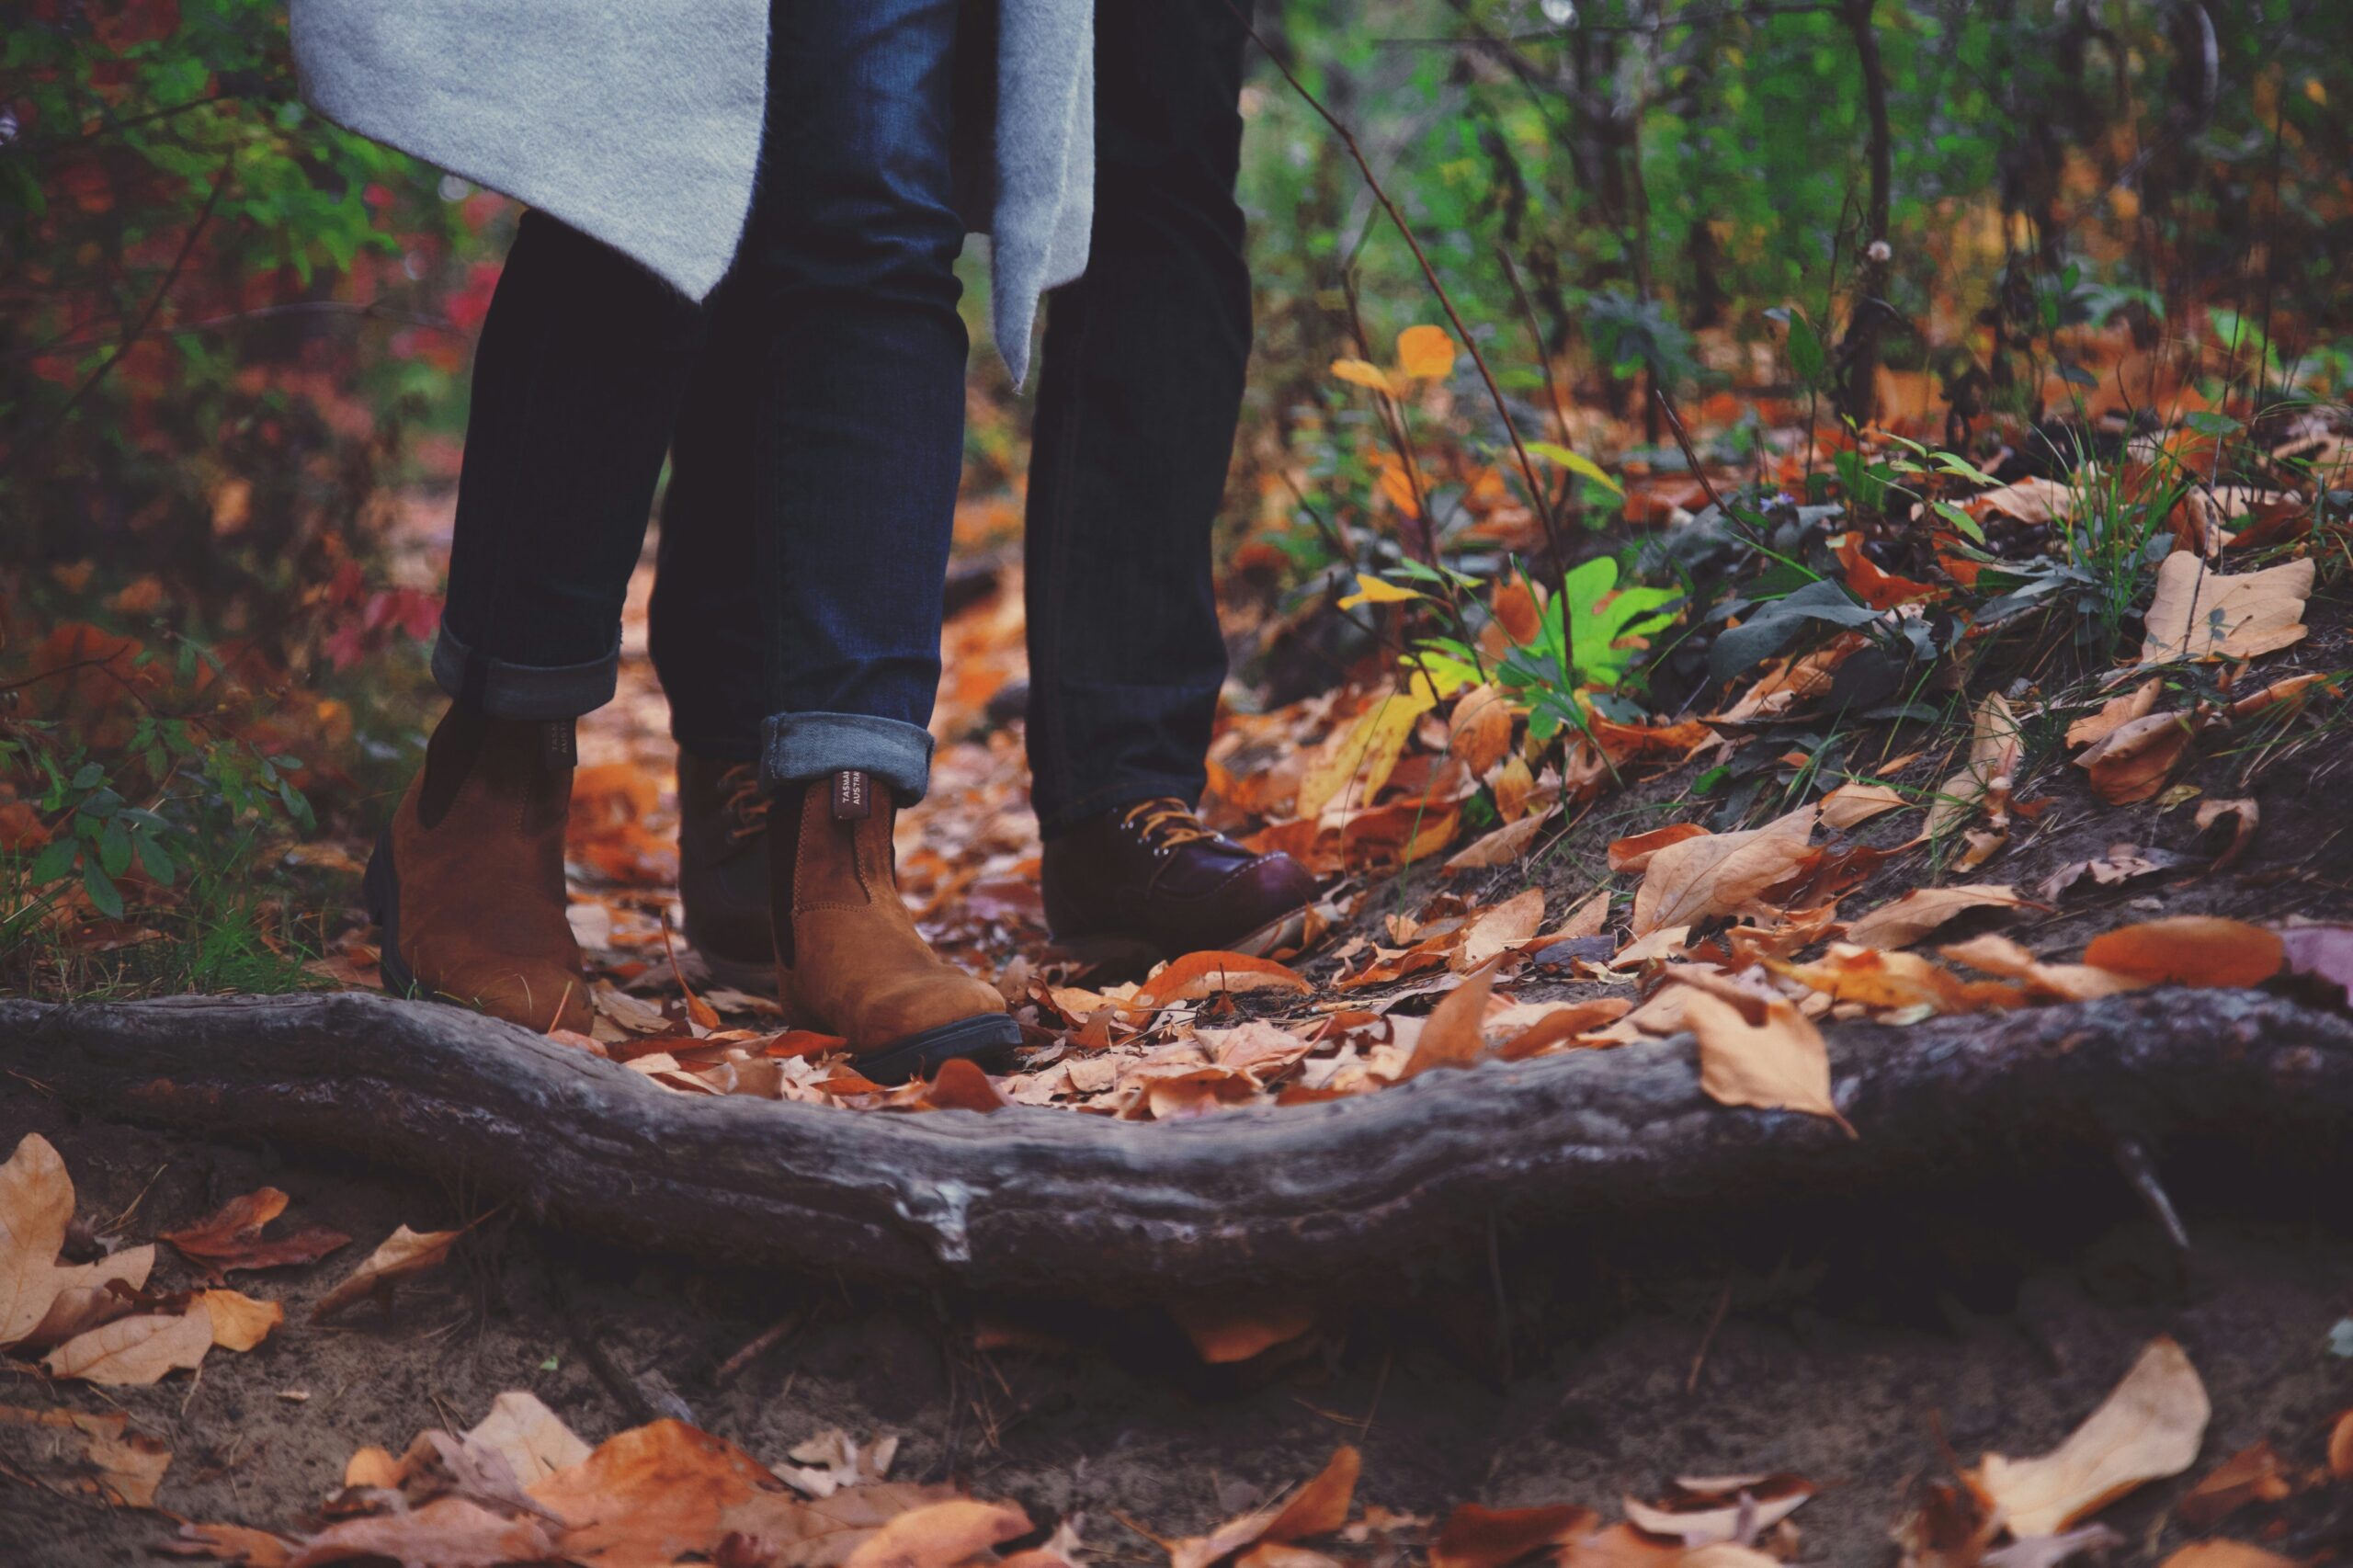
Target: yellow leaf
1364, 373
240, 1322
2148, 1428
1371, 590
1425, 352
1584, 467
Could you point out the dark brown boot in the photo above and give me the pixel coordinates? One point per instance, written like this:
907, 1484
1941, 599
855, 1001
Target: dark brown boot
723, 870
850, 960
466, 886
1150, 882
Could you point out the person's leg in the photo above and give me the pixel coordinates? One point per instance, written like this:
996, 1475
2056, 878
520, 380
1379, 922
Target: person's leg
1139, 393
575, 386
850, 264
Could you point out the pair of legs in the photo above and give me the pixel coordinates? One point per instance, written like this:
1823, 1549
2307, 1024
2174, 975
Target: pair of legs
1140, 385
841, 314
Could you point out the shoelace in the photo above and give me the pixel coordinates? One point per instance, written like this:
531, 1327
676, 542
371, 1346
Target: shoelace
1166, 824
746, 804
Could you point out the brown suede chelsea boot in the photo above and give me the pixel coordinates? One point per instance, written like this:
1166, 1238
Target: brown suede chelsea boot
723, 870
466, 885
1150, 882
848, 959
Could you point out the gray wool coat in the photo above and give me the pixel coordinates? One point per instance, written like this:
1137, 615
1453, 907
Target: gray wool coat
639, 121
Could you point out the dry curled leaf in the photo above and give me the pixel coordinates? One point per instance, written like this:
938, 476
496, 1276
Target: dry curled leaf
1473, 1537
1852, 804
404, 1253
230, 1237
69, 1450
1994, 747
1499, 930
1776, 1063
1721, 873
1454, 1035
2134, 761
1921, 911
2251, 1475
2147, 1429
2117, 712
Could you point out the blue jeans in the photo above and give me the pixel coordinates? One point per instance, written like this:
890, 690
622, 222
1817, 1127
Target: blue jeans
1141, 383
843, 303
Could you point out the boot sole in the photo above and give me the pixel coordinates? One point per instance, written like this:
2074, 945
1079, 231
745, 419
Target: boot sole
987, 1040
380, 889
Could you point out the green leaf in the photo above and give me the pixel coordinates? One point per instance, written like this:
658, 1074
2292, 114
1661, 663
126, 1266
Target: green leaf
2207, 422
104, 894
1806, 350
55, 859
157, 864
1584, 467
1960, 520
114, 849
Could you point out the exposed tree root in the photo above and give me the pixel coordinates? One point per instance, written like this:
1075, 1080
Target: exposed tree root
1037, 1200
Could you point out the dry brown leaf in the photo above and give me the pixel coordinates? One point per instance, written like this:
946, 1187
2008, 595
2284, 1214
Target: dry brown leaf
2244, 816
240, 1322
1473, 1537
1501, 847
1585, 920
449, 1532
2147, 1429
1852, 804
1241, 1326
940, 1535
2200, 613
96, 1454
1780, 1064
2189, 949
797, 1532
1354, 768
1634, 852
1480, 730
2134, 761
962, 1085
404, 1253
2251, 1475
36, 1207
233, 1544
1320, 1506
2117, 712
2340, 1449
230, 1237
132, 1351
1722, 873
1454, 1035
1499, 928
2029, 500
84, 1300
1564, 1024
1995, 747
2053, 981
1921, 911
1197, 976
651, 1493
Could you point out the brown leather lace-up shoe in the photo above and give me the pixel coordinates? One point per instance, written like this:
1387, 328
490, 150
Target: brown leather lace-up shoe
723, 870
1149, 882
466, 885
848, 959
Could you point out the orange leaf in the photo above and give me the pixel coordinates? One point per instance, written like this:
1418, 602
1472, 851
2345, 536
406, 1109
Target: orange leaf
1778, 1064
1851, 804
1231, 1329
961, 1086
231, 1238
941, 1535
1722, 873
651, 1493
2340, 1448
1425, 352
2115, 712
1480, 729
2189, 949
1320, 1507
1634, 852
1454, 1035
1199, 976
1514, 602
450, 1532
1474, 1537
2132, 761
2251, 1475
1877, 589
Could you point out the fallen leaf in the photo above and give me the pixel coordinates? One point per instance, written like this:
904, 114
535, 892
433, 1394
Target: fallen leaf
1585, 920
1473, 1537
1499, 928
1197, 976
1852, 804
449, 1532
940, 1535
1921, 911
2049, 1551
230, 1237
1868, 581
233, 1544
2340, 1448
961, 1086
404, 1253
240, 1322
2244, 816
1241, 1326
132, 1351
1562, 1023
650, 1494
2147, 1429
797, 1532
2251, 1475
1501, 847
2121, 863
2323, 953
1320, 1506
2189, 949
36, 1207
83, 1299
1706, 1521
1780, 1064
2198, 613
1721, 873
97, 1454
2134, 761
1995, 747
2031, 500
2117, 712
1479, 730
1634, 852
1454, 1035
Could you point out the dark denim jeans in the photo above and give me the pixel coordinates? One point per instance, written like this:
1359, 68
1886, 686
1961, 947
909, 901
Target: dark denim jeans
1140, 385
841, 314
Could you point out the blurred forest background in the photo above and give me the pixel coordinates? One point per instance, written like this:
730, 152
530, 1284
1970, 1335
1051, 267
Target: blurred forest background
233, 339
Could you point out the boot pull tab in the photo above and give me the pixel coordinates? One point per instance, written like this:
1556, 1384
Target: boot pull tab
853, 795
558, 747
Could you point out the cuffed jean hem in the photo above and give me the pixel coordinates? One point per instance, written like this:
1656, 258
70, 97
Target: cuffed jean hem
529, 693
796, 747
1055, 821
